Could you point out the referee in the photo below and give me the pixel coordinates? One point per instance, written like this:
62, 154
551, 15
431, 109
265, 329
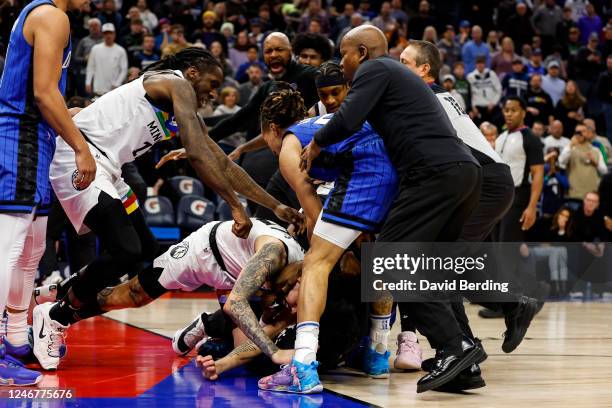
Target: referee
440, 179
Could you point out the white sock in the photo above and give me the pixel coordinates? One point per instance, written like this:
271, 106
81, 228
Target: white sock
17, 328
379, 332
306, 342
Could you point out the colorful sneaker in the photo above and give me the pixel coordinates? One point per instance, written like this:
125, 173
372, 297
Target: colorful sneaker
185, 339
296, 378
409, 353
13, 373
375, 364
49, 337
21, 353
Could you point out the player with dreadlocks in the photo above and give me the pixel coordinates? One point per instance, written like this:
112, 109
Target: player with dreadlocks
119, 127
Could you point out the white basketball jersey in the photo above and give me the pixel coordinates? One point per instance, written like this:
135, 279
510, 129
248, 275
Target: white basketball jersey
466, 129
123, 124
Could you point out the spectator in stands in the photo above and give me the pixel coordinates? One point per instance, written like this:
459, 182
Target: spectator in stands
252, 58
539, 103
465, 29
545, 20
164, 35
398, 13
571, 108
107, 65
177, 41
311, 49
133, 14
486, 91
208, 33
81, 55
535, 63
356, 20
555, 139
583, 163
430, 34
229, 99
384, 17
519, 26
133, 73
493, 42
227, 30
589, 23
145, 57
149, 19
563, 27
451, 49
249, 88
517, 82
538, 129
588, 66
343, 21
503, 60
216, 49
462, 85
606, 47
475, 48
572, 45
448, 82
423, 18
314, 12
600, 142
555, 185
552, 84
604, 92
365, 11
489, 131
238, 51
109, 14
133, 41
577, 7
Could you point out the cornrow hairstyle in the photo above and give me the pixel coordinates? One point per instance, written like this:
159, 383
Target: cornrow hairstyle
283, 107
188, 57
329, 73
317, 42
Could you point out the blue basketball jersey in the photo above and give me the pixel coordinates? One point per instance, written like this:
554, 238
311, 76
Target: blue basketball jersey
27, 141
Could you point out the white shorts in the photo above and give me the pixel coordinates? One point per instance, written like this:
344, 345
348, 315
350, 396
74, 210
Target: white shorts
77, 203
191, 264
338, 235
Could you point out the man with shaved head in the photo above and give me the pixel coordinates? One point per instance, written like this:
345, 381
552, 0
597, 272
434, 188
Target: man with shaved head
439, 188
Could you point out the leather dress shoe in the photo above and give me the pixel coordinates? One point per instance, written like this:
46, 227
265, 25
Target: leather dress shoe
448, 366
490, 314
466, 343
518, 321
468, 379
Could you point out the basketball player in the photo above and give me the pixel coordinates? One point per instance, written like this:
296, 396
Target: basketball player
439, 189
119, 127
365, 186
32, 112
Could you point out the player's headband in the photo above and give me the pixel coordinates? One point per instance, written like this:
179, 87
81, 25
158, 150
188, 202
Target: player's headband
323, 81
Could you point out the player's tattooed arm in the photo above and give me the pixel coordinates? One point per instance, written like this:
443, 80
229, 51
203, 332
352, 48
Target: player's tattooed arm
267, 262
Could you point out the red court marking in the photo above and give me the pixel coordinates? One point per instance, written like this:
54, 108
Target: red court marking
111, 359
189, 295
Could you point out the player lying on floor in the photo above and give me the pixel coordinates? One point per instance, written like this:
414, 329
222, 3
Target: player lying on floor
214, 256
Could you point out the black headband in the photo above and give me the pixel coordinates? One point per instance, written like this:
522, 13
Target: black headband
323, 81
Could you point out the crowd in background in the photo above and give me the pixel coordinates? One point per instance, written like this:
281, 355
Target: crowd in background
555, 54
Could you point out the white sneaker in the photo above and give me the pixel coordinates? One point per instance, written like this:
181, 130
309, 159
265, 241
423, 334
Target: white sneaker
55, 277
49, 337
187, 338
576, 295
46, 293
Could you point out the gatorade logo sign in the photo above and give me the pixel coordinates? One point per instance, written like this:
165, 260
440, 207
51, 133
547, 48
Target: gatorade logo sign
198, 207
152, 205
186, 186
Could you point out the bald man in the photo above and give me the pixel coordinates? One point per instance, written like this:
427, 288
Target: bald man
439, 188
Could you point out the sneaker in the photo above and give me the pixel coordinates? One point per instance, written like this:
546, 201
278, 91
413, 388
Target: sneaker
13, 373
185, 339
49, 337
409, 353
46, 293
21, 353
376, 364
295, 378
55, 278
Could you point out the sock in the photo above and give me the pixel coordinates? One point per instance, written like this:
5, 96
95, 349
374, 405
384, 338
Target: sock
63, 313
380, 327
17, 328
306, 342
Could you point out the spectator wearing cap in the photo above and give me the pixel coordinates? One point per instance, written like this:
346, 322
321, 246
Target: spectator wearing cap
384, 18
486, 91
545, 20
462, 85
448, 45
177, 41
465, 29
589, 24
557, 56
517, 82
149, 19
208, 33
83, 49
535, 65
163, 36
107, 65
109, 14
448, 82
502, 61
519, 26
315, 12
475, 48
604, 91
552, 83
539, 103
423, 18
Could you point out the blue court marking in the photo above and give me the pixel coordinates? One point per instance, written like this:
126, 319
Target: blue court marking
187, 388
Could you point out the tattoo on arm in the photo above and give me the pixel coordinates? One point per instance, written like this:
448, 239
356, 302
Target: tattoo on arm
260, 268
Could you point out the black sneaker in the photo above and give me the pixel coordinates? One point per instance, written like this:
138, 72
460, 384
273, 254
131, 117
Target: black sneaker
185, 339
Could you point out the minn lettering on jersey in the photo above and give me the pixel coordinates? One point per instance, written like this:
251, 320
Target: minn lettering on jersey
156, 133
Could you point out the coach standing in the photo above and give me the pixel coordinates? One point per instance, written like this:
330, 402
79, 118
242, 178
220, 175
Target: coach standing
440, 179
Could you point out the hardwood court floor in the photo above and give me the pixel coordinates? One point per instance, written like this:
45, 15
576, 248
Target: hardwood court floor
565, 360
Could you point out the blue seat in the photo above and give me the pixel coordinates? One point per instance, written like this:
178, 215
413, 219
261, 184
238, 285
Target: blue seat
159, 215
183, 185
224, 212
194, 211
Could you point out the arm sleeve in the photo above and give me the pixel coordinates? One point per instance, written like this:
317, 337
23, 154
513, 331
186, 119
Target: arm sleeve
241, 120
368, 87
